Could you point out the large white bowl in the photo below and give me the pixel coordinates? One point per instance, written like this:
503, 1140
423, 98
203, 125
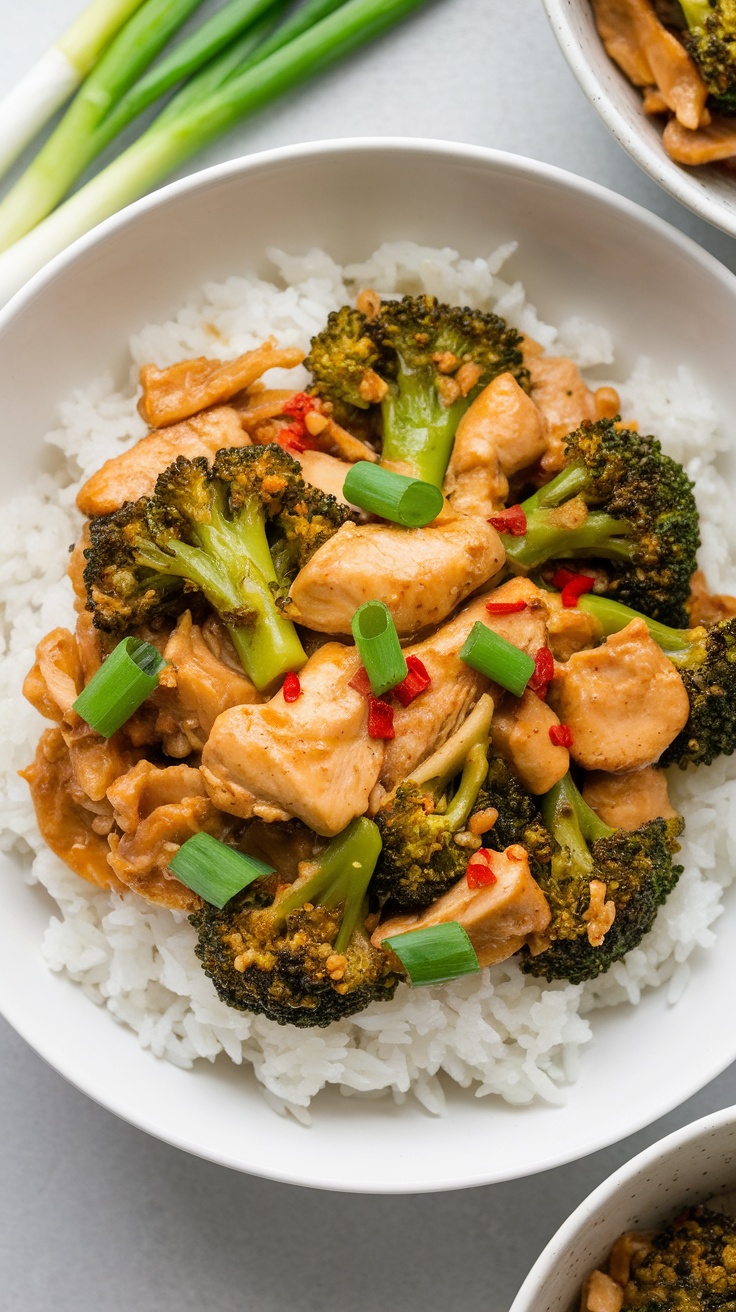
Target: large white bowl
582, 250
706, 191
694, 1165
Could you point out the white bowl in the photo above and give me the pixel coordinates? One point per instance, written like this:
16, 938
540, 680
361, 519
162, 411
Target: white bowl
693, 1165
706, 191
582, 250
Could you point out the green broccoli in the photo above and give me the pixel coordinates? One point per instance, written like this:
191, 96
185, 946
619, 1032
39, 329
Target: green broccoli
519, 820
304, 958
635, 867
705, 658
711, 43
409, 361
618, 499
237, 532
689, 1267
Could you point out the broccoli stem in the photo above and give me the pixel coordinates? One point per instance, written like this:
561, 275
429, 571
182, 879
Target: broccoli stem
573, 824
417, 429
547, 535
677, 644
471, 781
340, 875
696, 12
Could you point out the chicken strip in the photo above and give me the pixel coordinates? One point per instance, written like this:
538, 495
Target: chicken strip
502, 433
627, 801
421, 574
520, 734
648, 53
133, 473
325, 472
498, 918
705, 145
202, 679
624, 701
189, 386
311, 758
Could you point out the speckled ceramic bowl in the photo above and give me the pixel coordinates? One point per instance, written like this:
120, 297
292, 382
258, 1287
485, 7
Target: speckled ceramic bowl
693, 1165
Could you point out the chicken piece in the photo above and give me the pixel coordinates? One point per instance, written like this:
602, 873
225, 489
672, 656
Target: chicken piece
158, 810
624, 1253
520, 734
133, 473
705, 145
498, 918
65, 817
569, 629
325, 472
705, 607
189, 386
311, 758
502, 433
55, 681
429, 720
261, 404
624, 702
641, 46
627, 801
203, 678
601, 1294
565, 400
420, 573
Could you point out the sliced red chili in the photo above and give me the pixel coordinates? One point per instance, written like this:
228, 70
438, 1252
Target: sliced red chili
299, 405
505, 607
562, 576
380, 719
560, 735
292, 437
544, 672
574, 589
292, 688
511, 521
479, 873
361, 683
417, 680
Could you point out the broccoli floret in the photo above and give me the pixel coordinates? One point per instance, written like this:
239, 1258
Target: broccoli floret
690, 1266
237, 532
422, 363
635, 867
519, 820
705, 658
305, 958
618, 499
711, 43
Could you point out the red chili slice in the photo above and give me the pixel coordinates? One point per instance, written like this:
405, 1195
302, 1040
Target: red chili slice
574, 589
561, 577
544, 672
292, 688
299, 405
505, 607
417, 680
511, 521
292, 437
479, 873
361, 683
380, 719
560, 735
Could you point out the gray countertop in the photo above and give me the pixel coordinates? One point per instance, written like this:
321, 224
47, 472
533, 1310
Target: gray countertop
94, 1215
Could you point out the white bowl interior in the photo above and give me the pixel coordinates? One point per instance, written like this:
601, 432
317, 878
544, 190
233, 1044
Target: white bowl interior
706, 191
583, 251
694, 1165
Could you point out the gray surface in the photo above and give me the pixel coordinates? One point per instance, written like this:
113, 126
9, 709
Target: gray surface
95, 1216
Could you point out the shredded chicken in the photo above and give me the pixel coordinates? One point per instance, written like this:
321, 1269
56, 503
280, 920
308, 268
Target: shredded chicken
497, 918
502, 433
626, 801
185, 388
520, 733
203, 678
421, 574
624, 702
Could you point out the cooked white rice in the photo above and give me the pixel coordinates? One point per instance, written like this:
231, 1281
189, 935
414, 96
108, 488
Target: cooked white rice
498, 1033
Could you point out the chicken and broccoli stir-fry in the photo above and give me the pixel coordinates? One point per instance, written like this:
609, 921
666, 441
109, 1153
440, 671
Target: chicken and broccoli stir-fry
359, 752
682, 54
688, 1267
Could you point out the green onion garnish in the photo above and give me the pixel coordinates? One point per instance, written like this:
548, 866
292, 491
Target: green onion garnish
378, 643
120, 686
214, 870
406, 501
490, 654
436, 954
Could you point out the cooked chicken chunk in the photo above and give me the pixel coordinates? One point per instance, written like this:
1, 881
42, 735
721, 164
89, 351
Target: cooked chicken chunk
624, 702
420, 573
311, 758
324, 471
705, 607
189, 386
203, 678
498, 918
569, 629
520, 734
65, 815
649, 54
706, 145
564, 399
626, 801
158, 810
601, 1294
502, 433
133, 473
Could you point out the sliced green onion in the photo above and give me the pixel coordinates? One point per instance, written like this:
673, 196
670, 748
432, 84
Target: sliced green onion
120, 686
436, 954
406, 501
378, 643
214, 870
490, 654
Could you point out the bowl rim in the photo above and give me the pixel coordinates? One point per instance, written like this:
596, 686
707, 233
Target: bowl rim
674, 178
595, 1202
502, 162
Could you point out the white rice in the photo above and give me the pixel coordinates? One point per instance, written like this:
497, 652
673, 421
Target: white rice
498, 1033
